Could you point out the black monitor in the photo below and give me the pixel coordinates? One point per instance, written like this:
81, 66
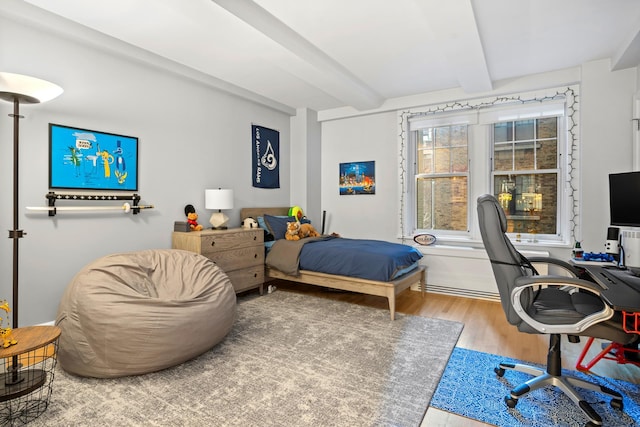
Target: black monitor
624, 199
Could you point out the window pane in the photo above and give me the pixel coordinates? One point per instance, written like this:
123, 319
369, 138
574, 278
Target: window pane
442, 136
503, 156
547, 127
502, 132
442, 203
530, 202
524, 130
547, 154
523, 158
459, 161
443, 160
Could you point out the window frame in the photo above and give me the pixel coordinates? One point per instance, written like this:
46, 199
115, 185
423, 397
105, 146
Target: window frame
558, 170
435, 174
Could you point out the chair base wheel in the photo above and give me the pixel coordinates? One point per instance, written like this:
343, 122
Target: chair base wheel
499, 371
616, 404
510, 401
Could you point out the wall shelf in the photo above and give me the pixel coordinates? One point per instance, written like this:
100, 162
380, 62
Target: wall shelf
52, 197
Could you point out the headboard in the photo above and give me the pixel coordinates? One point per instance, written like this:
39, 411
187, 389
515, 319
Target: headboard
256, 212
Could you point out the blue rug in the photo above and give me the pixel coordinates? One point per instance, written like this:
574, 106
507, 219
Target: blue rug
469, 387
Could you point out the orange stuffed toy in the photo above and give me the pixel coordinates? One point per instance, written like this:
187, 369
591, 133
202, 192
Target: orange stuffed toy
192, 218
297, 231
307, 230
293, 230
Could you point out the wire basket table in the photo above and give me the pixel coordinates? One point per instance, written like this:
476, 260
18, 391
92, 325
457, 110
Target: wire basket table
26, 374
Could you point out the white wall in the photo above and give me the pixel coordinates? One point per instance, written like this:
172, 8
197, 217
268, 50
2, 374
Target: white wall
607, 143
305, 170
191, 137
365, 138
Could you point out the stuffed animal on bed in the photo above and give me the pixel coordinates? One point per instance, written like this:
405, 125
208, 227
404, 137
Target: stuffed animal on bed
297, 231
307, 230
192, 218
293, 228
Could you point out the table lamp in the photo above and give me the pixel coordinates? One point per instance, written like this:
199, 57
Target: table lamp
218, 199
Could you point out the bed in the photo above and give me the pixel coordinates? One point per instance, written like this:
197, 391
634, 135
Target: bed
416, 274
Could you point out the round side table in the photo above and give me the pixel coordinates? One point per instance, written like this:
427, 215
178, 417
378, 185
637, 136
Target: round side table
26, 374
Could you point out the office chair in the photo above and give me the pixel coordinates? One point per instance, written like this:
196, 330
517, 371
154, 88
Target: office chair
549, 304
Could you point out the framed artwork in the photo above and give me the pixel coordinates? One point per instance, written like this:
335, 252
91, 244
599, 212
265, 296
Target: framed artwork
84, 159
358, 178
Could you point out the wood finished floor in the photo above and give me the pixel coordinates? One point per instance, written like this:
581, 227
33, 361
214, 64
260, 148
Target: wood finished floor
486, 329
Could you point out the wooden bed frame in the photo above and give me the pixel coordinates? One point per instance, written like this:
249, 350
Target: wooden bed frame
345, 283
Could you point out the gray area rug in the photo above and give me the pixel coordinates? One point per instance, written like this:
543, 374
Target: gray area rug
290, 360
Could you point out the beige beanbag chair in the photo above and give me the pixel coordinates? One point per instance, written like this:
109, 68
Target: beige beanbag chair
139, 312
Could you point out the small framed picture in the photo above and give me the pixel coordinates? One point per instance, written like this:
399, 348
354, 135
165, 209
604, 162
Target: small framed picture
357, 178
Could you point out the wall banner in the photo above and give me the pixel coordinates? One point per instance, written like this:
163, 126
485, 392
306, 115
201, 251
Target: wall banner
266, 157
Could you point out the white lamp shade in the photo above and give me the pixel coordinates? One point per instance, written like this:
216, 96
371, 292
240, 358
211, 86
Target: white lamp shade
27, 89
218, 199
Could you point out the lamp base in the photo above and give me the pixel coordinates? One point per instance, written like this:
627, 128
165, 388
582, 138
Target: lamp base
219, 221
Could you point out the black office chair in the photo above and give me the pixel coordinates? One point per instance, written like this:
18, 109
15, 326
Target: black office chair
549, 304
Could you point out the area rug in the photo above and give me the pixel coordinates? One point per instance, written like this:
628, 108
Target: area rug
290, 360
469, 387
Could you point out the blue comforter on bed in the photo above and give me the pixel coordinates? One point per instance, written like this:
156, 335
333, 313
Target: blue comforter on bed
366, 259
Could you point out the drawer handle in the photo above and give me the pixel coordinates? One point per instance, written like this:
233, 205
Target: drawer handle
255, 237
255, 274
213, 243
255, 255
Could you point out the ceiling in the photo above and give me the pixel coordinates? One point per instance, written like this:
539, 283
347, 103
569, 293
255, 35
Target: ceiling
325, 54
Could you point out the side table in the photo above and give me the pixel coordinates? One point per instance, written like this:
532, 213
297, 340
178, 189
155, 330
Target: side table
26, 373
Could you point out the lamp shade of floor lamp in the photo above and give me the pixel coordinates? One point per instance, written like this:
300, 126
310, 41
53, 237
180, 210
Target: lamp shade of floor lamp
218, 199
19, 89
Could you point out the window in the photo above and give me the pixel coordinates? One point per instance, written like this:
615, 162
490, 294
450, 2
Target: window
526, 173
512, 151
442, 177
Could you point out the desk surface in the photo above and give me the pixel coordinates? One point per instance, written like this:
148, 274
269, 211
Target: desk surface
620, 289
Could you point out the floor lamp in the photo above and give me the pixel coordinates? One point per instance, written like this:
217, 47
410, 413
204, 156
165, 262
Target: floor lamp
20, 89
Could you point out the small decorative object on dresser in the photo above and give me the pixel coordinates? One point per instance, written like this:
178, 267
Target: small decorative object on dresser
239, 252
192, 218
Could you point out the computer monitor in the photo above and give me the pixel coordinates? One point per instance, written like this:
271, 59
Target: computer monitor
624, 207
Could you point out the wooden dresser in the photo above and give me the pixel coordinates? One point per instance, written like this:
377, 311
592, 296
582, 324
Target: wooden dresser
238, 252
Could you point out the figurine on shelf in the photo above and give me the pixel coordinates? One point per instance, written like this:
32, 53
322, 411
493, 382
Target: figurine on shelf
6, 333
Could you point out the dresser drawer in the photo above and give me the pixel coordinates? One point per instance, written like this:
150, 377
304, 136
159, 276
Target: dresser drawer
234, 259
221, 242
238, 252
248, 278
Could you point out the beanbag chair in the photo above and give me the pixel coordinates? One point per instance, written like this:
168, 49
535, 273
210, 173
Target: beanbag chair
139, 312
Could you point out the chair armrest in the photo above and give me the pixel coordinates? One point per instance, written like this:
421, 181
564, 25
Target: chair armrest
525, 282
557, 262
571, 282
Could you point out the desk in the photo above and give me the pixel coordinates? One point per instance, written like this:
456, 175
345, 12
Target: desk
616, 290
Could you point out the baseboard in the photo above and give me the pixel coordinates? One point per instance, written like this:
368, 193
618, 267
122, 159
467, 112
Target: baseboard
51, 323
459, 292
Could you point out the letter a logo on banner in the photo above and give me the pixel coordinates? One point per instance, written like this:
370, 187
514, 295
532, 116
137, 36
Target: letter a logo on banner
266, 157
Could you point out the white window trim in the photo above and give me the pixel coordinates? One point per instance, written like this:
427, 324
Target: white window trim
540, 103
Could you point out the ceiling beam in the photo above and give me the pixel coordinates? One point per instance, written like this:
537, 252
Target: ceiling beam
325, 73
629, 53
454, 25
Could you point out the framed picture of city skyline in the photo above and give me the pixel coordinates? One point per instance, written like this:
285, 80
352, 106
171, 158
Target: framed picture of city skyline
357, 178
